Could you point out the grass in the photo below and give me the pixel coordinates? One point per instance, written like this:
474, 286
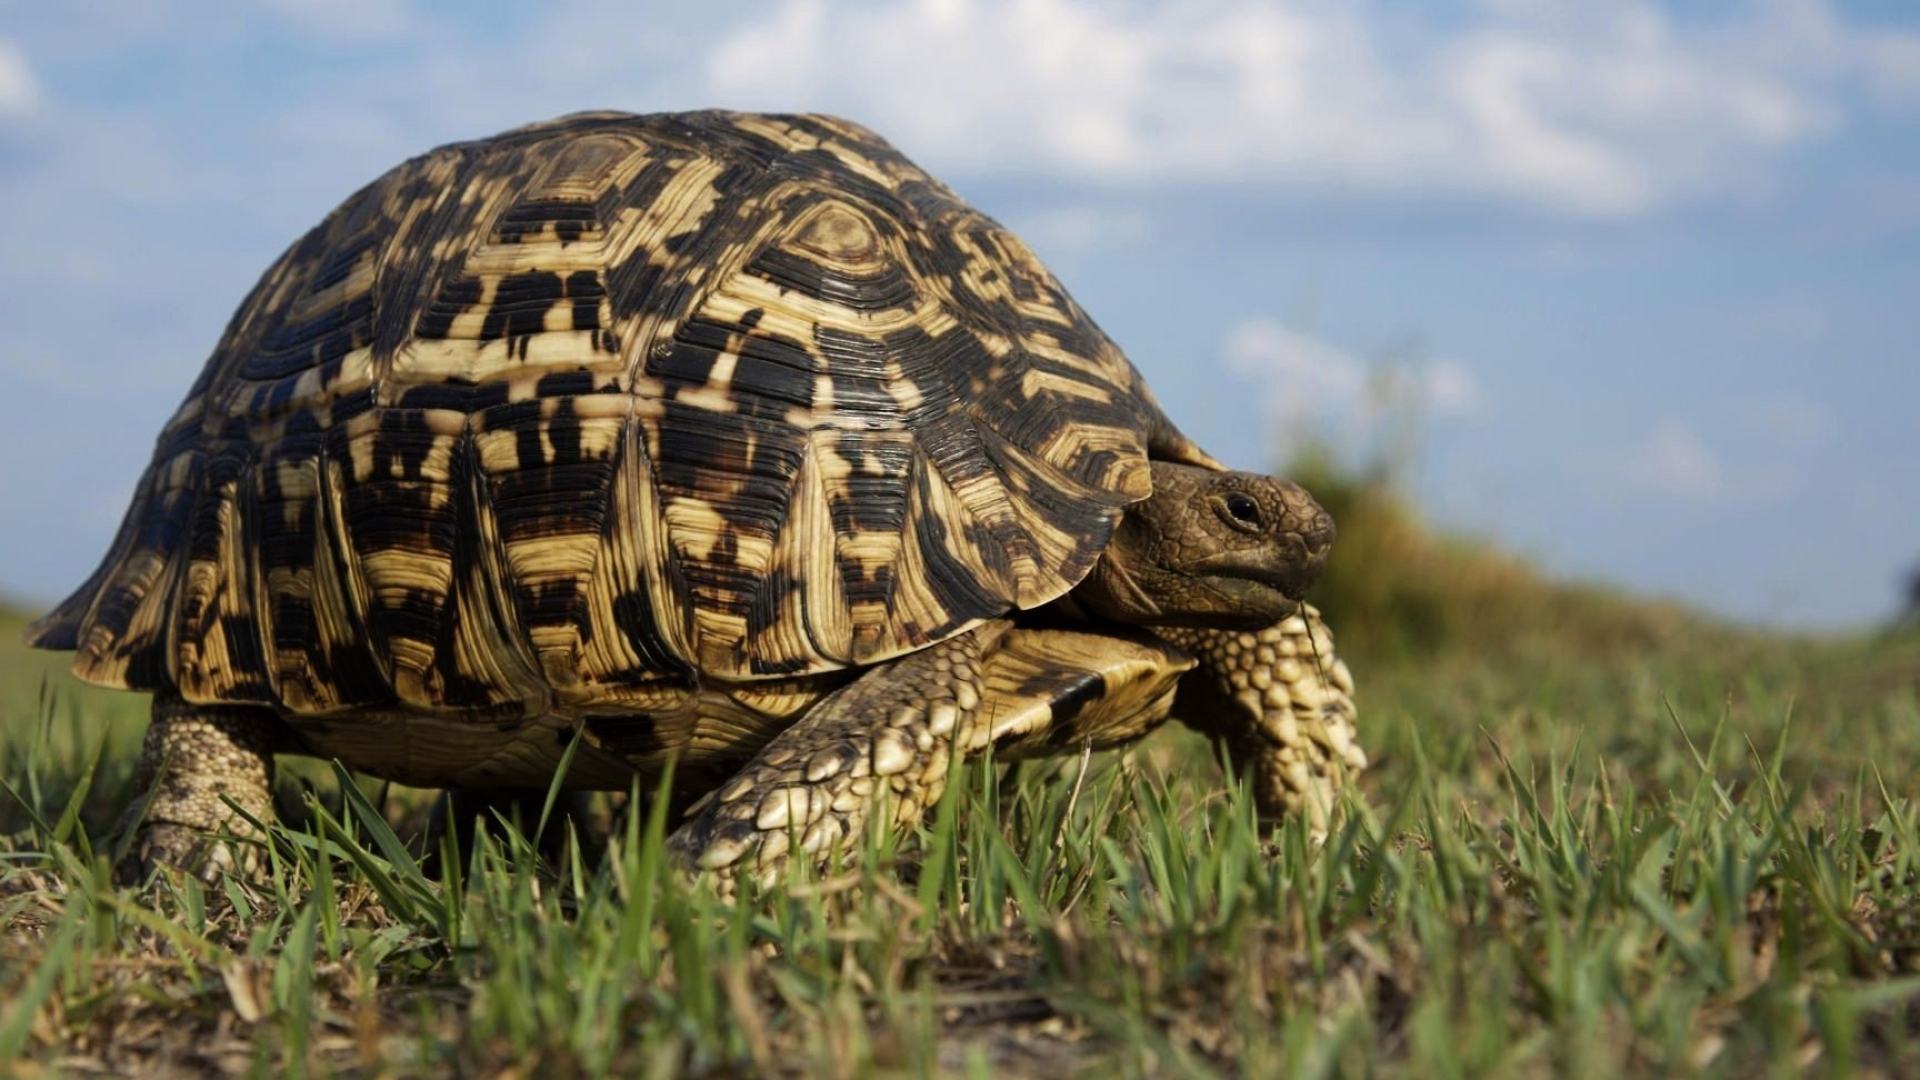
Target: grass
1600, 839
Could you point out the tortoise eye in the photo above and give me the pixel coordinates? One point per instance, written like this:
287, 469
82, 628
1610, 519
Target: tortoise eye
1243, 509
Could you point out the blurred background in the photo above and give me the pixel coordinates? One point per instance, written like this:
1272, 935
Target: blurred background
1625, 292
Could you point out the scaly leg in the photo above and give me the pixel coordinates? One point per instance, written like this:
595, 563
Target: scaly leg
192, 757
888, 735
1282, 703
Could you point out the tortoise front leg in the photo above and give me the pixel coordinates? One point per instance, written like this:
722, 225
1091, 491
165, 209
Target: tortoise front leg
1282, 704
888, 735
193, 759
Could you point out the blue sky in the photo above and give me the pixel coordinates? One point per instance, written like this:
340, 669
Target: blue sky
1647, 275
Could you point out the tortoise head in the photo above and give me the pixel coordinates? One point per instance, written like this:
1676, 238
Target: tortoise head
1222, 549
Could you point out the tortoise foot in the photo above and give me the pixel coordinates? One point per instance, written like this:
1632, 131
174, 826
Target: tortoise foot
204, 855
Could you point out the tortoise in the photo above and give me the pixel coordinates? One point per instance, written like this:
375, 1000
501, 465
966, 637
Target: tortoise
724, 440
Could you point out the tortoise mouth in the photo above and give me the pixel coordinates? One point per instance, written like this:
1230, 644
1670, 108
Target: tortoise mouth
1244, 602
1254, 590
1289, 572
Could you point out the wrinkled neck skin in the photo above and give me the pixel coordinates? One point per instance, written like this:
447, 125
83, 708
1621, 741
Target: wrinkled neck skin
1216, 549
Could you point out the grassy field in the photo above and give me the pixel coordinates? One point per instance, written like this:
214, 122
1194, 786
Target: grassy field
1601, 839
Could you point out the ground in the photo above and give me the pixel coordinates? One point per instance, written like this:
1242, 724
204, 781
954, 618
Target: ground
1600, 838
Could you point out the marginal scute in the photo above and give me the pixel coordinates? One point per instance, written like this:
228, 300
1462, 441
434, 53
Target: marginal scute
639, 628
574, 418
216, 641
800, 611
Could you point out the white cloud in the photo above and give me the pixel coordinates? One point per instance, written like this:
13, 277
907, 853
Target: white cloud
1593, 109
1080, 229
1301, 376
1794, 423
1892, 61
1809, 39
1763, 449
19, 90
1449, 389
1674, 460
349, 19
1601, 110
1315, 390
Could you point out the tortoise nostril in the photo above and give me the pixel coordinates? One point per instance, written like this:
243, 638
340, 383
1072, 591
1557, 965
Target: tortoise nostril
1321, 532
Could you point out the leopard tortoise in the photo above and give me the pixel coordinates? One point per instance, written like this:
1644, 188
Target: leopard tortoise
732, 441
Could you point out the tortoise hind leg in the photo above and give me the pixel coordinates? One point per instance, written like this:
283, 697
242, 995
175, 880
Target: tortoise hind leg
887, 736
194, 758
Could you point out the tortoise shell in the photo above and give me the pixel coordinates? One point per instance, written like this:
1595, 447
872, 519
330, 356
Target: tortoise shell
550, 419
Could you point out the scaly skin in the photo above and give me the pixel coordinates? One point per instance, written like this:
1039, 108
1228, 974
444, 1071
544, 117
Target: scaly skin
889, 735
1282, 704
193, 758
1277, 698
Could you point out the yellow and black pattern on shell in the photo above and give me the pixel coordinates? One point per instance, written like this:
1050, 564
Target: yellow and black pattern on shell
1055, 690
568, 419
